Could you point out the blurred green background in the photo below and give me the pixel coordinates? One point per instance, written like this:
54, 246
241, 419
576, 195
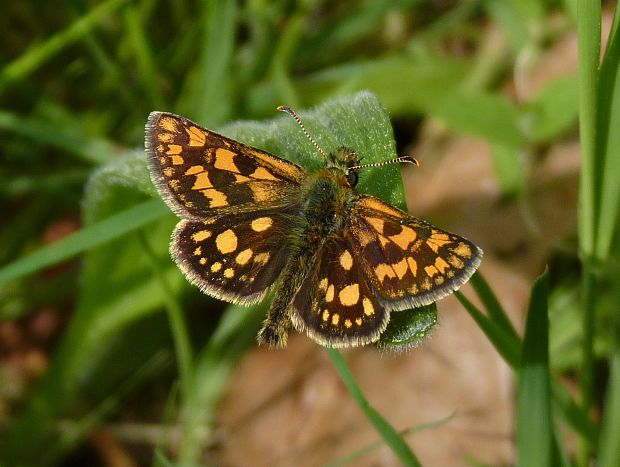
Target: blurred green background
98, 364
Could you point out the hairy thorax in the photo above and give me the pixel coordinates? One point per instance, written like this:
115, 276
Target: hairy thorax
328, 200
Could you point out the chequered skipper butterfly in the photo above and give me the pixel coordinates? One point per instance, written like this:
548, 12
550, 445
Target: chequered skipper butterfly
339, 261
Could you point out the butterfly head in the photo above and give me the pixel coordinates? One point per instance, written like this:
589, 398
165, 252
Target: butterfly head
346, 161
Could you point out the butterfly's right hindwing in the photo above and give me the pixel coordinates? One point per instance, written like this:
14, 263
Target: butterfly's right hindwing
335, 305
202, 174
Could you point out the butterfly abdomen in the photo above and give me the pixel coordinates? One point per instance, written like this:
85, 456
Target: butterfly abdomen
323, 215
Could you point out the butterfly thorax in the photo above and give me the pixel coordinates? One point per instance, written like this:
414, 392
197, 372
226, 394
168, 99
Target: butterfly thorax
327, 202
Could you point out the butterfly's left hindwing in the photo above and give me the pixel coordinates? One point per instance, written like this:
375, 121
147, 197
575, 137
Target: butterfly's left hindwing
234, 258
335, 305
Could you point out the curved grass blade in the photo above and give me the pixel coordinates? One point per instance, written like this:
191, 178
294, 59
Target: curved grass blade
391, 437
85, 239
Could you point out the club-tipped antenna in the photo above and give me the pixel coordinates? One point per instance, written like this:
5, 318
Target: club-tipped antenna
292, 113
406, 159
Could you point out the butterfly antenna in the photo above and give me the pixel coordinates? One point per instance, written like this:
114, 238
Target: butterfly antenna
292, 113
407, 159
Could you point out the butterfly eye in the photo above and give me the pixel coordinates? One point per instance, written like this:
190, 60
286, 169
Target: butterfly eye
352, 178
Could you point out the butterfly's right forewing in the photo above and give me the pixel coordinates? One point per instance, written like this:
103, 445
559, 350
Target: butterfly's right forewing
202, 174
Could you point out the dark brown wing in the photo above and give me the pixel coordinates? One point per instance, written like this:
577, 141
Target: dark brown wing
202, 174
408, 262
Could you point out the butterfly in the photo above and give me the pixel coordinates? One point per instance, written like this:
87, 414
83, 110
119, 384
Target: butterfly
339, 262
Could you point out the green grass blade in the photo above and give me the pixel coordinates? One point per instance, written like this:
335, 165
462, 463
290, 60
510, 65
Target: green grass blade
376, 445
38, 54
589, 35
609, 144
210, 92
506, 345
144, 57
573, 414
491, 303
176, 318
609, 448
392, 438
89, 149
213, 369
85, 239
534, 423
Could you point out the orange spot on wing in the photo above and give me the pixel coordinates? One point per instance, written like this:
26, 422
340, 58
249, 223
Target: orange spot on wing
165, 137
329, 295
196, 136
384, 270
376, 223
201, 235
431, 270
224, 160
217, 199
369, 309
226, 242
194, 169
463, 250
169, 124
346, 260
441, 264
405, 238
378, 205
263, 174
401, 268
261, 192
202, 181
413, 265
174, 149
349, 295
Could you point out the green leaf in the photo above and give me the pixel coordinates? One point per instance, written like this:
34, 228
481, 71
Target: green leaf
509, 168
402, 83
534, 423
207, 99
488, 116
553, 111
358, 122
408, 328
506, 344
